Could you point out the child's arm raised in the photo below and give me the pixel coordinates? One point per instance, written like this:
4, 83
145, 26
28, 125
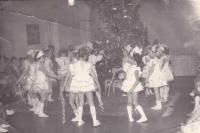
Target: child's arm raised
136, 82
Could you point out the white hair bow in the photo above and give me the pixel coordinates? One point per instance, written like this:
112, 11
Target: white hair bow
136, 50
40, 54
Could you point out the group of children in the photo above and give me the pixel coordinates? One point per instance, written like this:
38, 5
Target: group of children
76, 74
149, 68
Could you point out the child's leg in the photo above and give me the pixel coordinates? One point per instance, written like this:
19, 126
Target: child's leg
129, 107
89, 96
33, 100
161, 92
76, 100
158, 101
51, 88
138, 107
43, 96
71, 102
166, 92
80, 108
35, 96
150, 91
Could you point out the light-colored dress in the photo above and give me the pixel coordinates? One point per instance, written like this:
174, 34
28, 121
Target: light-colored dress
81, 80
166, 69
30, 78
147, 66
130, 78
157, 78
40, 83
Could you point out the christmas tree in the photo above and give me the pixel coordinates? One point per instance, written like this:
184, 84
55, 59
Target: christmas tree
116, 24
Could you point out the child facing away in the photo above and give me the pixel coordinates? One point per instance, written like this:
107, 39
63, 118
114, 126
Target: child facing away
132, 86
83, 83
155, 78
73, 97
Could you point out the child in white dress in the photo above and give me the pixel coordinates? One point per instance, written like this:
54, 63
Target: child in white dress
83, 82
147, 60
73, 97
165, 68
132, 86
41, 84
29, 76
156, 78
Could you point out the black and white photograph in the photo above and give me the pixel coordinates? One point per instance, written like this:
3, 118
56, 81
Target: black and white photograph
100, 66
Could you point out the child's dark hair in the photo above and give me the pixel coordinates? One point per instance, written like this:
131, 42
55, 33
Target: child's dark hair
12, 58
83, 52
137, 58
51, 46
73, 55
47, 51
63, 51
35, 57
21, 58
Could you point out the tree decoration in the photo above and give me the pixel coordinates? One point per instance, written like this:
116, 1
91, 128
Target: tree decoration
116, 24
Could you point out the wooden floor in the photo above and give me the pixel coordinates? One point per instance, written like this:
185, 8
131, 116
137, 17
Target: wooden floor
176, 111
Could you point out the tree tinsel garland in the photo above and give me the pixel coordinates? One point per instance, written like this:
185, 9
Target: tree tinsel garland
62, 99
116, 24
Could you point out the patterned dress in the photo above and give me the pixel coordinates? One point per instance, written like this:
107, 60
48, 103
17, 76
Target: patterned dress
130, 78
81, 81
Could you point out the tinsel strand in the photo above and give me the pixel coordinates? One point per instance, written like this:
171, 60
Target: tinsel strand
62, 99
